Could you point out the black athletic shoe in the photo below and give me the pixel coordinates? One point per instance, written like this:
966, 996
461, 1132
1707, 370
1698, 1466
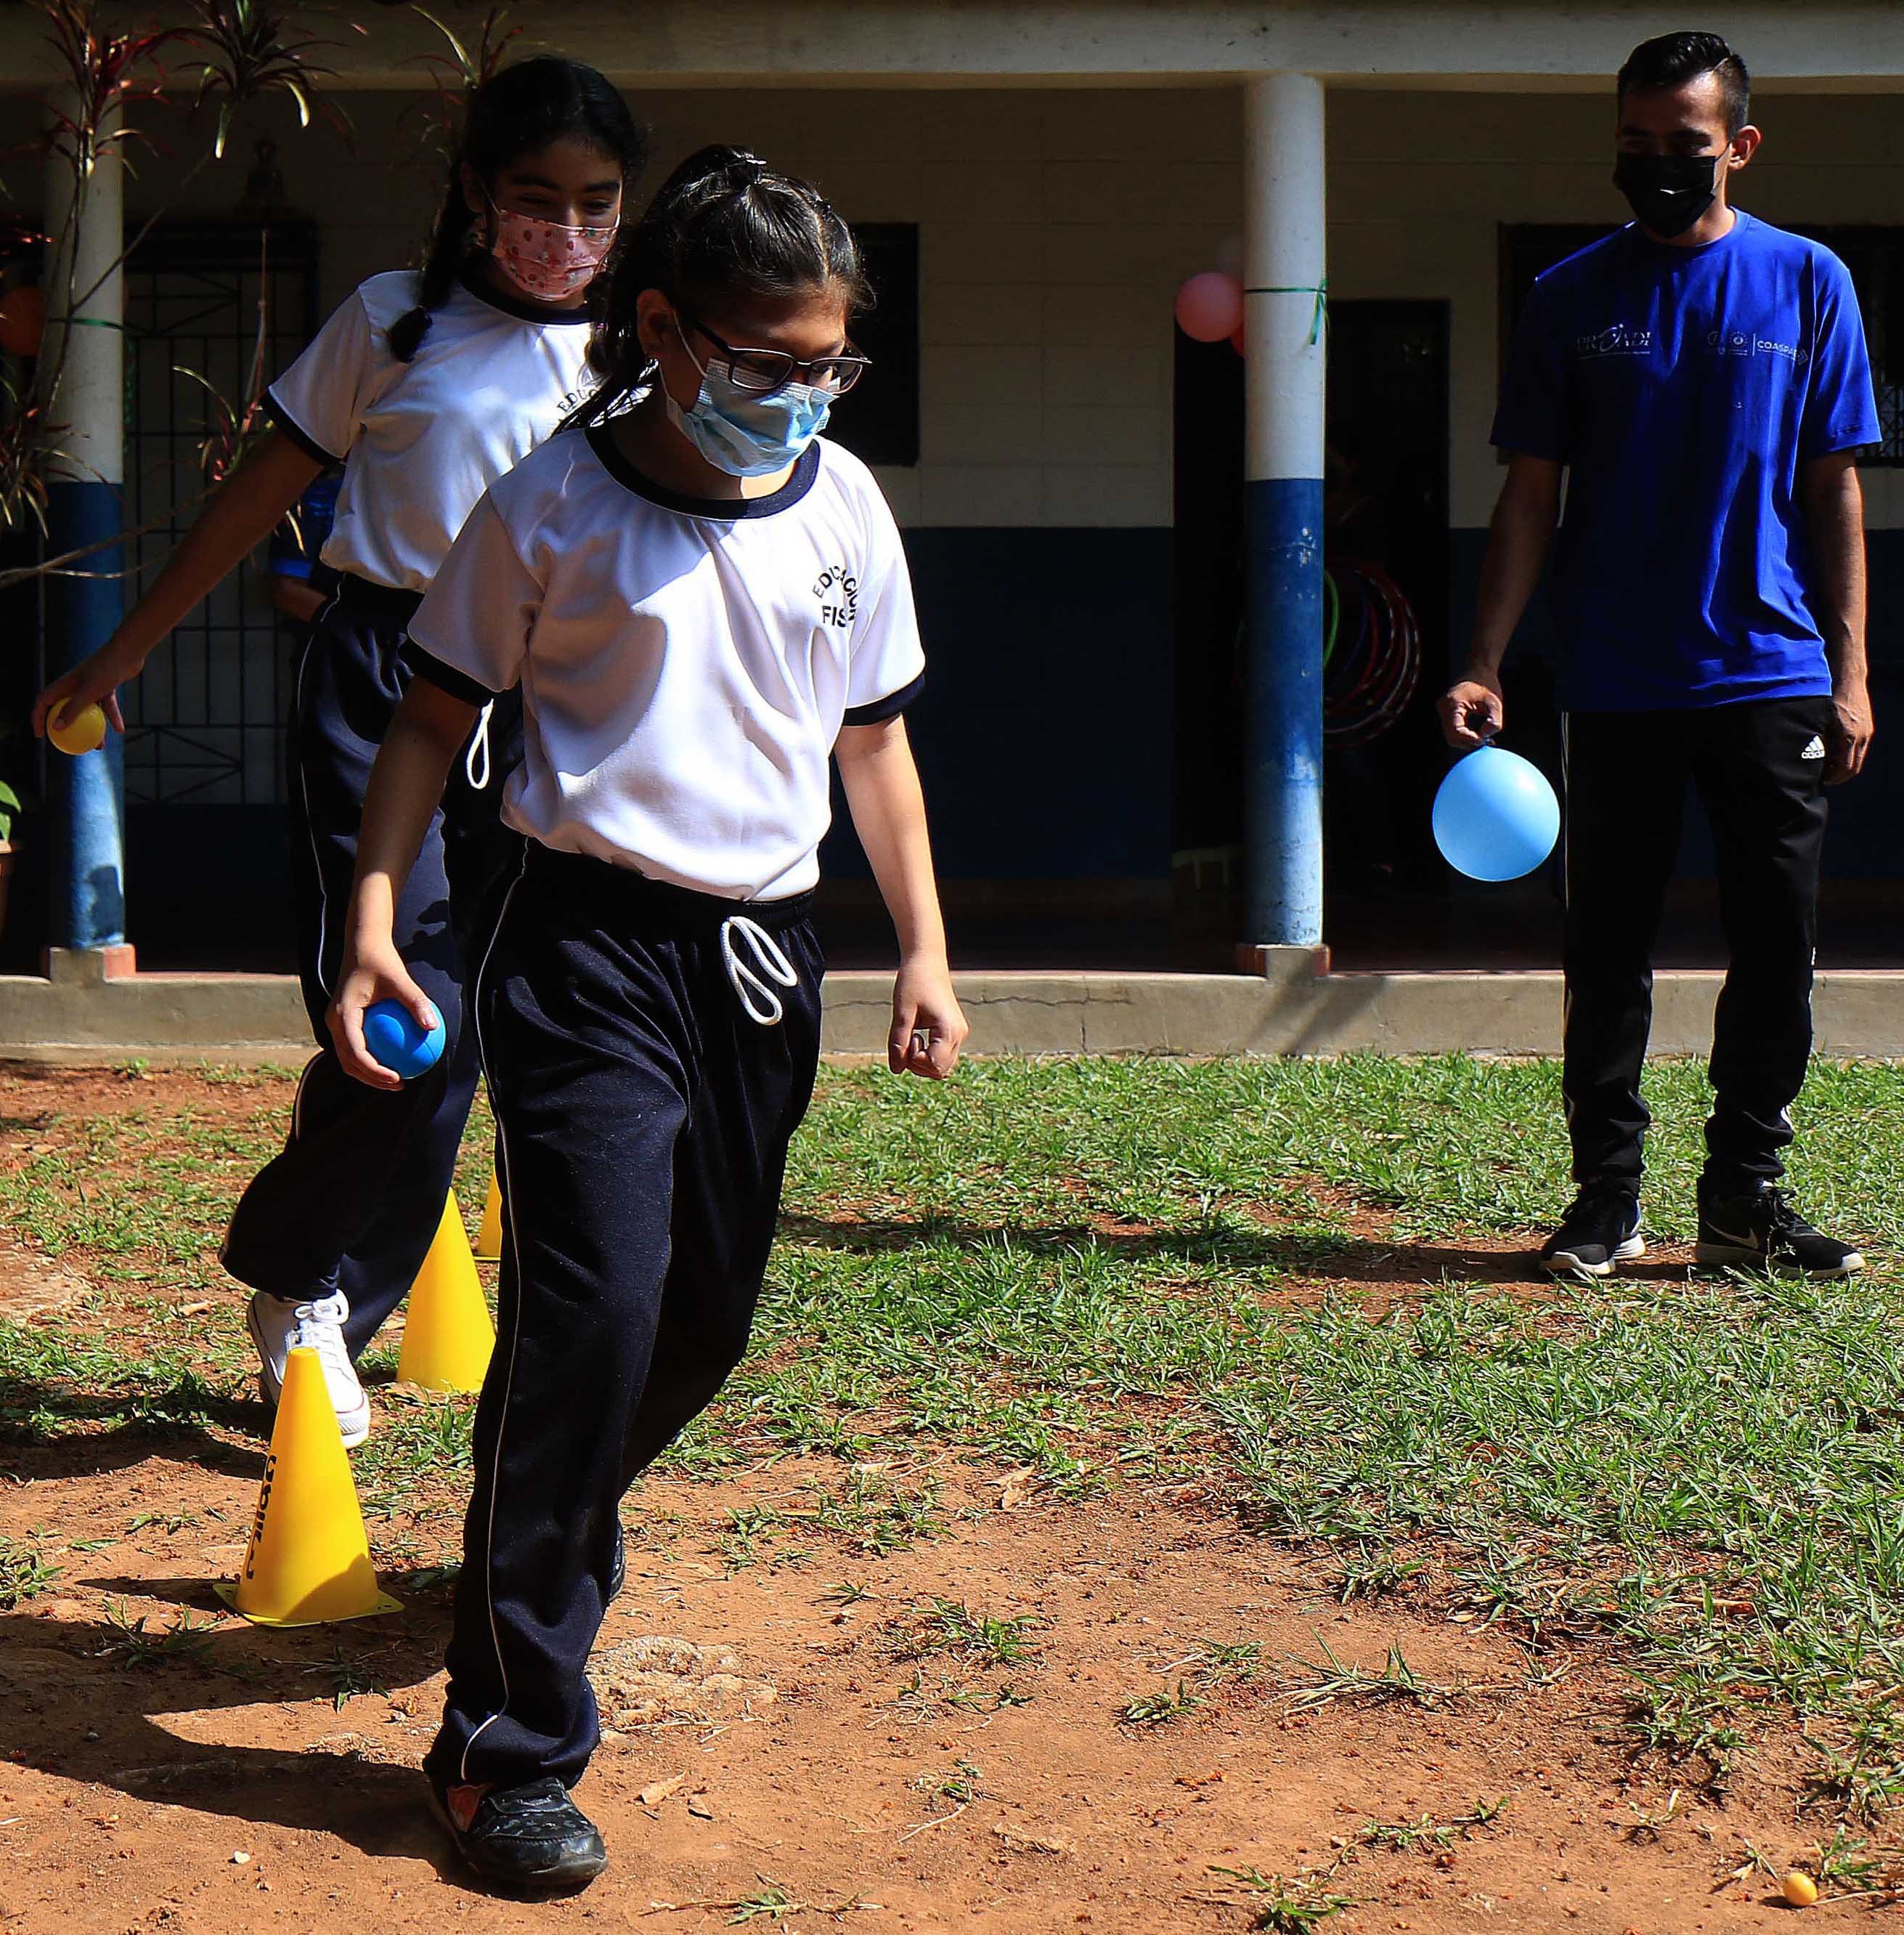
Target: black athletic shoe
618, 1566
1601, 1229
531, 1840
1759, 1229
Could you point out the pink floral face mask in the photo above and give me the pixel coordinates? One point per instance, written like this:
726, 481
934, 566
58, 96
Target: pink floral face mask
548, 260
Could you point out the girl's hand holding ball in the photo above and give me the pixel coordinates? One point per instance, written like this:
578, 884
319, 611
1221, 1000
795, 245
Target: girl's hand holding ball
74, 710
84, 731
385, 1029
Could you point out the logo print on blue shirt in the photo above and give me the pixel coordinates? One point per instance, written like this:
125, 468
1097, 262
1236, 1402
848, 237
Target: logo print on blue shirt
1617, 339
1743, 342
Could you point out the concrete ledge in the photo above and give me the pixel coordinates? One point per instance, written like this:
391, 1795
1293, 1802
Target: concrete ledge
249, 1019
229, 1018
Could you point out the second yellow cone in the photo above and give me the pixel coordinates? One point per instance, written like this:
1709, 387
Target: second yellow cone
448, 1336
308, 1563
489, 1238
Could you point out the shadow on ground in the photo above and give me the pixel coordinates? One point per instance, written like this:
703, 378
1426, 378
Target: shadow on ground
1271, 1252
52, 1430
83, 1707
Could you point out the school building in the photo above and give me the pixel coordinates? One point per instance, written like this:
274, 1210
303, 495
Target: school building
1123, 737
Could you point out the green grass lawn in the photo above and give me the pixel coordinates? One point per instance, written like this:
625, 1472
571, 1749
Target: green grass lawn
1247, 1275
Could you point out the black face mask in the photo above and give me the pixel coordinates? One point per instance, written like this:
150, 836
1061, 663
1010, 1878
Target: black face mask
1669, 193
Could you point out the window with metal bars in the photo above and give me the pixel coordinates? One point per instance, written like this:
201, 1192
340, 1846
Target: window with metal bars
1874, 255
211, 308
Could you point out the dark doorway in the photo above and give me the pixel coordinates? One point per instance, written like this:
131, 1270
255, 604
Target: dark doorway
210, 307
208, 304
881, 425
1385, 507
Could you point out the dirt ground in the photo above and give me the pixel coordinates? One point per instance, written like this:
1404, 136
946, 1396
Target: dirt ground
785, 1754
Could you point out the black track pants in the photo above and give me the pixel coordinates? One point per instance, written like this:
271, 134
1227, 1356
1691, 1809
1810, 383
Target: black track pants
354, 1198
1759, 768
643, 1121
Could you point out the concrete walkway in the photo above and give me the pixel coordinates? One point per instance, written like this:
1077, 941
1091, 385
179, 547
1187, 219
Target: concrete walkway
77, 1015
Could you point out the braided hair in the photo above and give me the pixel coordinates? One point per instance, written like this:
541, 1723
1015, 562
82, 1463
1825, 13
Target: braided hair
517, 111
724, 224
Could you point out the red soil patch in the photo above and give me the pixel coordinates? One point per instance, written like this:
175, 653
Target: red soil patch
788, 1745
767, 1734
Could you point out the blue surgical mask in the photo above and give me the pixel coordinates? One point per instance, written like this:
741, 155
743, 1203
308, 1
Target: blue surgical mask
746, 434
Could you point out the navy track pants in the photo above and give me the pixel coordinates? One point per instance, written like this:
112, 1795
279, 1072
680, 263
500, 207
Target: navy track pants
643, 1121
354, 1200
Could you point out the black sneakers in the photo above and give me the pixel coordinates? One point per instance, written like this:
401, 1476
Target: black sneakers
531, 1840
1601, 1229
1758, 1229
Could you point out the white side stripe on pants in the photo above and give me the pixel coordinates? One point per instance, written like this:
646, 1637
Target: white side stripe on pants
304, 796
515, 1325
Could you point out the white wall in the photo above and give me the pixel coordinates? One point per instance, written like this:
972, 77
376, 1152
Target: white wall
1469, 45
1054, 230
1419, 184
1055, 227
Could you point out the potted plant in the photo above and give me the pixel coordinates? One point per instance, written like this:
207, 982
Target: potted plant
15, 800
10, 809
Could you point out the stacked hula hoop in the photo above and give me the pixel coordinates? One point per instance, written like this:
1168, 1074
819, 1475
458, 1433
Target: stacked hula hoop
1371, 654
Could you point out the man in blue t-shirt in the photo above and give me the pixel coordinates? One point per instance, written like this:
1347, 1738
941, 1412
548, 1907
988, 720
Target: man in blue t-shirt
1700, 378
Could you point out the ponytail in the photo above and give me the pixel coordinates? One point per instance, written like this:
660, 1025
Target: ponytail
449, 244
723, 226
517, 111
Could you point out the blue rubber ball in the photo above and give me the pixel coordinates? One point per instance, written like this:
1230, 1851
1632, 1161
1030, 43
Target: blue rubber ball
1496, 816
392, 1035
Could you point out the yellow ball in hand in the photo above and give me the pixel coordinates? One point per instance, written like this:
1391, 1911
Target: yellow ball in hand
82, 732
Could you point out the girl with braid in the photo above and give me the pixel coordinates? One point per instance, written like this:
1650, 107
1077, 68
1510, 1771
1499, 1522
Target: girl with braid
426, 388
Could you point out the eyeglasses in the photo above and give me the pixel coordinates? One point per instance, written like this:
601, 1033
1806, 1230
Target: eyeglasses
762, 371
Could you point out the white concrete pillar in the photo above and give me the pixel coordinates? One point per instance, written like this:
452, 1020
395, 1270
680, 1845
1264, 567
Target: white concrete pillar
85, 231
1285, 335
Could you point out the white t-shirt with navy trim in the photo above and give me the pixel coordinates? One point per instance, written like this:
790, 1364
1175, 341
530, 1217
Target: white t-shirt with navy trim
422, 441
685, 664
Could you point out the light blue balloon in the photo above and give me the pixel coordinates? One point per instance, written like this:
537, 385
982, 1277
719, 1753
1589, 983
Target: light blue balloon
1496, 816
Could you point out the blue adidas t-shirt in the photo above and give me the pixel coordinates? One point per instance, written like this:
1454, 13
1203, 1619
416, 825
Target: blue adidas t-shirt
1684, 388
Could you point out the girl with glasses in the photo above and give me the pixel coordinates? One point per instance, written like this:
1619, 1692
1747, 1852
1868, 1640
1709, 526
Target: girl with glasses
701, 601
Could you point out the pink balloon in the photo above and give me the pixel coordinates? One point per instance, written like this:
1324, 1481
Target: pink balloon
1210, 307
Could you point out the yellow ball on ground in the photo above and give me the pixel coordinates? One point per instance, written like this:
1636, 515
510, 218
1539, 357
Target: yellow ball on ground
1800, 1890
82, 732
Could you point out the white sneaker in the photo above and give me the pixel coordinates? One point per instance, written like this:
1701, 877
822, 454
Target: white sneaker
276, 1327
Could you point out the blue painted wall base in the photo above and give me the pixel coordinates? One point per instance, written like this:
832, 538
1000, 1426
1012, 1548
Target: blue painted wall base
86, 795
1044, 732
1282, 727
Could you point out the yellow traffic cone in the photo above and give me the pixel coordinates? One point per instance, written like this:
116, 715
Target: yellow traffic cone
447, 1335
308, 1563
489, 1238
